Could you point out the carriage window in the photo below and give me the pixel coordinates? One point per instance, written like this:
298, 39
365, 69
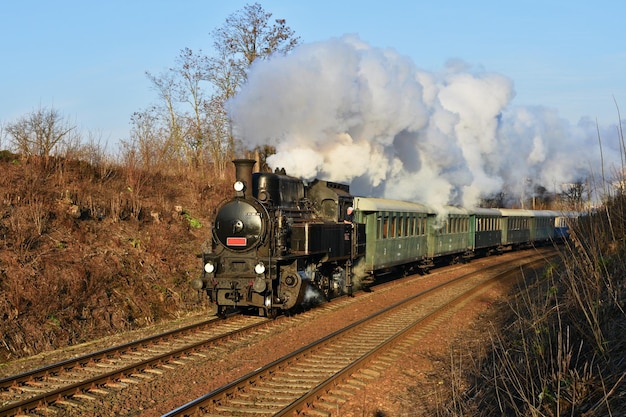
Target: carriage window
397, 221
385, 227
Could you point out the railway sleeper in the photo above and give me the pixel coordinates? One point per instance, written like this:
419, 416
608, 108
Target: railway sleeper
328, 367
267, 401
319, 413
273, 397
292, 383
355, 383
343, 392
309, 373
367, 374
281, 390
237, 410
288, 379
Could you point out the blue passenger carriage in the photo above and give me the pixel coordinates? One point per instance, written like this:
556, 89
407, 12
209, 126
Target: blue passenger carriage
563, 223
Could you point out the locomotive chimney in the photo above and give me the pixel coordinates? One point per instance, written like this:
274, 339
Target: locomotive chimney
243, 171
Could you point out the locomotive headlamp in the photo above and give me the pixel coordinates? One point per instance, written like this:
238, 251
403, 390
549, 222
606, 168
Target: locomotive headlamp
238, 186
209, 267
259, 268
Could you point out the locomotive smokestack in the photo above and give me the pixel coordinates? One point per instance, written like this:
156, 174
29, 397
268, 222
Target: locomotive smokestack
243, 171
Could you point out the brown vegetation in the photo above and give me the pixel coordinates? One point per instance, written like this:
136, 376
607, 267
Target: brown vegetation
89, 246
88, 250
561, 351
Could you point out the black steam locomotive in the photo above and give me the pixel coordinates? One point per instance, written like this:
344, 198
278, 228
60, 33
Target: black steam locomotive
280, 243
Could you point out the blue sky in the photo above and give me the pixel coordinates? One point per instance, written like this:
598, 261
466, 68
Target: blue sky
88, 59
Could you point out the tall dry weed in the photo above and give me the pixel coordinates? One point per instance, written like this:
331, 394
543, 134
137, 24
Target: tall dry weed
562, 351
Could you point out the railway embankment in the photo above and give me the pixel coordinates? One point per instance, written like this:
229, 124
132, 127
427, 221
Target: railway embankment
91, 250
559, 349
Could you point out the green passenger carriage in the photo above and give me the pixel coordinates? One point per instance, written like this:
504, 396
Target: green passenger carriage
516, 225
396, 231
485, 229
542, 227
450, 233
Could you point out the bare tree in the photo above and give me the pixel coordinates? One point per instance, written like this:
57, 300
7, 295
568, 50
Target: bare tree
153, 146
193, 71
39, 133
246, 36
193, 93
167, 112
575, 194
2, 133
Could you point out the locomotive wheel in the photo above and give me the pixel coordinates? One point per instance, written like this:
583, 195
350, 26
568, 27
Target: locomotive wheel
325, 287
272, 313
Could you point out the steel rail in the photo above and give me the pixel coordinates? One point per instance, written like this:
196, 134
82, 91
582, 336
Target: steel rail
46, 398
230, 390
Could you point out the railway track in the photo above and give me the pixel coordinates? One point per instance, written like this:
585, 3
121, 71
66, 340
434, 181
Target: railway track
69, 381
62, 387
314, 379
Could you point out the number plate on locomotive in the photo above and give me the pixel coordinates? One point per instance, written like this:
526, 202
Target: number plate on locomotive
236, 241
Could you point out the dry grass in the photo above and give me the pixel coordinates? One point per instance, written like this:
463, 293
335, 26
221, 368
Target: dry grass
561, 350
90, 247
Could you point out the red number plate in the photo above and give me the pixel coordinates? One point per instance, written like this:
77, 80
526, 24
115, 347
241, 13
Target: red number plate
236, 241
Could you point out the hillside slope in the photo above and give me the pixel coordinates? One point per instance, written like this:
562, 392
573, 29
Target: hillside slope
87, 251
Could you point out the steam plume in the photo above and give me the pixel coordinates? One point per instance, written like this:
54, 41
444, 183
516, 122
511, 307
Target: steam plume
345, 111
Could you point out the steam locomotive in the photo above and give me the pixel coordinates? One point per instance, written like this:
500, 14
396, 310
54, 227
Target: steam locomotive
281, 244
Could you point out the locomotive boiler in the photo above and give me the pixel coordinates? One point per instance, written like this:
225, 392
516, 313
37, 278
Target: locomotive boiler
279, 243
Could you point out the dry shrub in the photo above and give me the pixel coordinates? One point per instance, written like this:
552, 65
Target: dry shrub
561, 351
93, 248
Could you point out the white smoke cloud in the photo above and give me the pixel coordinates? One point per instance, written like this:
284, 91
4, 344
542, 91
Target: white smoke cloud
345, 111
